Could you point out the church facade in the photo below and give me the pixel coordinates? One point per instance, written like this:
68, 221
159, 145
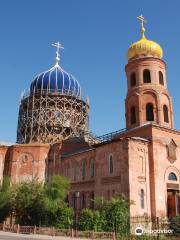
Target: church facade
142, 161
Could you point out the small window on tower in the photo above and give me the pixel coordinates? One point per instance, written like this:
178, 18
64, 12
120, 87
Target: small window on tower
133, 115
133, 79
166, 115
161, 78
149, 112
146, 76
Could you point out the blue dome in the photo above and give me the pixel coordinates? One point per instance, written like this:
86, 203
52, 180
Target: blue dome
56, 80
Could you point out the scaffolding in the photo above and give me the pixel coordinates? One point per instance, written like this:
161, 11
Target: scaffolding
49, 117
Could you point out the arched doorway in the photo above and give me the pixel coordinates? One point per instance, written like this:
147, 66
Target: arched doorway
173, 195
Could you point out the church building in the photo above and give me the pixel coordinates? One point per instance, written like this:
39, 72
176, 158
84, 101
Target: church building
141, 161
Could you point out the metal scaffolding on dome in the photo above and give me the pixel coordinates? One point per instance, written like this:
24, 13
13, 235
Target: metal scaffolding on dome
50, 117
53, 110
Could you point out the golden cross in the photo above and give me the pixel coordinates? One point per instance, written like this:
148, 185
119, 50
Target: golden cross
142, 21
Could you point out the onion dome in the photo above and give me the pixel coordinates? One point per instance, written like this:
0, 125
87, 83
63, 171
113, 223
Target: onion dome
144, 47
56, 80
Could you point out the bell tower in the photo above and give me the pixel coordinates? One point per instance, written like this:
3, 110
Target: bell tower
147, 98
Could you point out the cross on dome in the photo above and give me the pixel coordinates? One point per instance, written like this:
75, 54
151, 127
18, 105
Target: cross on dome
58, 46
142, 22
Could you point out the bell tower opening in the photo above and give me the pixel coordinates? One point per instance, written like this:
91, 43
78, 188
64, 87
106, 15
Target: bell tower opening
146, 76
166, 115
133, 115
149, 112
161, 78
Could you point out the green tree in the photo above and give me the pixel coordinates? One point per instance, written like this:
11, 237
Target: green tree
5, 199
114, 214
56, 189
56, 211
64, 217
28, 203
86, 220
34, 203
98, 221
175, 225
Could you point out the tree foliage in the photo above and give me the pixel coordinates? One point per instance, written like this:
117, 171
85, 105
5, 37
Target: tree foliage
86, 220
34, 203
109, 215
28, 203
56, 189
5, 199
175, 225
116, 215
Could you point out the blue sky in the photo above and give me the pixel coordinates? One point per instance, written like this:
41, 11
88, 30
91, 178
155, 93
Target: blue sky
96, 35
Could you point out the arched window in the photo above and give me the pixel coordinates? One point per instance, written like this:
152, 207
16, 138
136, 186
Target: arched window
149, 112
146, 76
166, 115
172, 177
83, 169
161, 78
92, 168
111, 164
133, 79
133, 115
142, 198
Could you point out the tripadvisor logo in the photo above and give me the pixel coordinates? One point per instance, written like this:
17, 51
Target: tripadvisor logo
138, 231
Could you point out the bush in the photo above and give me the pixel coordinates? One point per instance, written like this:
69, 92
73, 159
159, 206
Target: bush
116, 214
98, 221
109, 216
63, 217
86, 220
175, 225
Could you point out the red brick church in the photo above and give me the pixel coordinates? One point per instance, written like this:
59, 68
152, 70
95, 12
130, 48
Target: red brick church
142, 161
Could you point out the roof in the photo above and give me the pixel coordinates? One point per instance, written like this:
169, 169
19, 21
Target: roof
56, 80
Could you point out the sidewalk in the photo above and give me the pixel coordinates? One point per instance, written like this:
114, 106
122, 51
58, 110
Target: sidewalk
35, 236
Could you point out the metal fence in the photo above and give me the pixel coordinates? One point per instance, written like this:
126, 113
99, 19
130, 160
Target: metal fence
16, 228
137, 228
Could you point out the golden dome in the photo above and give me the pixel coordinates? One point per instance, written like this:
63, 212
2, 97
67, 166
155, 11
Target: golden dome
144, 47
